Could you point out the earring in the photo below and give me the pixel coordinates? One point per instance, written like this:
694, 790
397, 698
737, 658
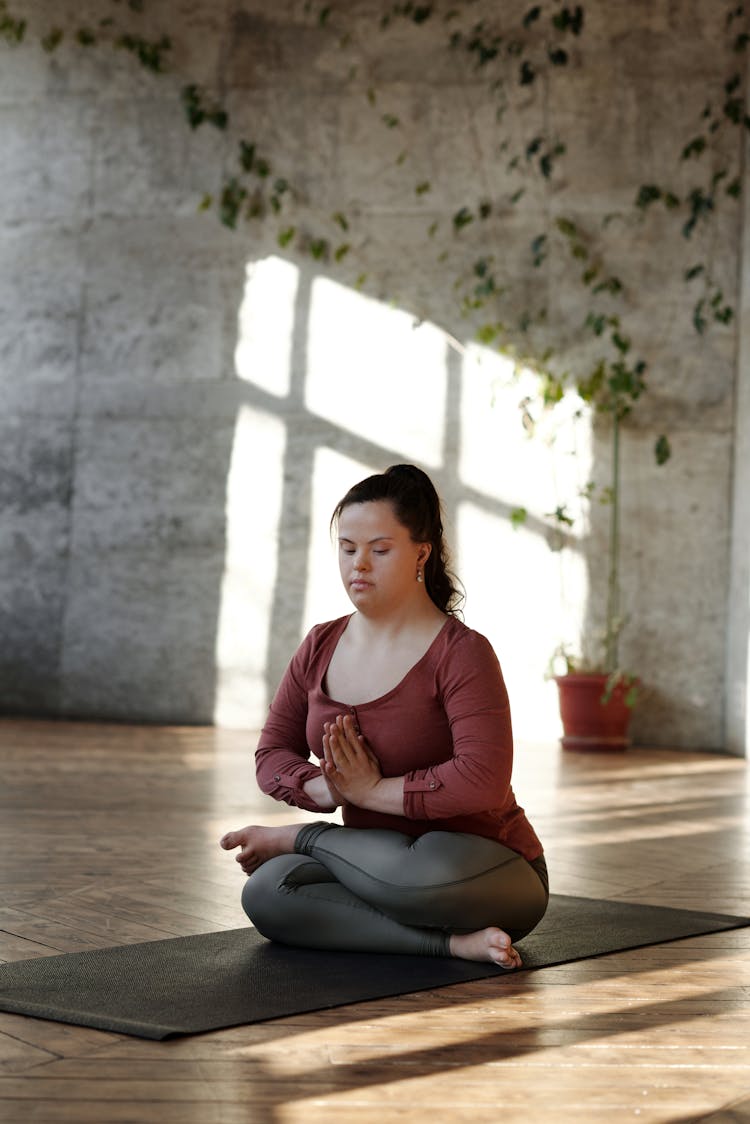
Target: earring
419, 576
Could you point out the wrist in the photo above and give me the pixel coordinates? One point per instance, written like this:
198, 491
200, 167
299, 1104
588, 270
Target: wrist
317, 790
386, 795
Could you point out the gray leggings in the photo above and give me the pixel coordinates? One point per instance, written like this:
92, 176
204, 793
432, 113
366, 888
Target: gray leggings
372, 890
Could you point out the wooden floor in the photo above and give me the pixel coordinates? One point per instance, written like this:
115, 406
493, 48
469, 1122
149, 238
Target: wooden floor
108, 836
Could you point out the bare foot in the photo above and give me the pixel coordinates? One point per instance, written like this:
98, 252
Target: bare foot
259, 844
486, 944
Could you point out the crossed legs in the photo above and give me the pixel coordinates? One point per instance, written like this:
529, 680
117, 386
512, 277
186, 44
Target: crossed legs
440, 894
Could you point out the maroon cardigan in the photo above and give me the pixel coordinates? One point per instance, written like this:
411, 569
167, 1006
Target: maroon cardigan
445, 728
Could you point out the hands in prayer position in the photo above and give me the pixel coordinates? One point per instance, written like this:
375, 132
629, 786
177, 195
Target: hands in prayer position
351, 771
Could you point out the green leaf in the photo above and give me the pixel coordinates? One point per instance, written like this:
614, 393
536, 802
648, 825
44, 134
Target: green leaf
518, 517
567, 20
566, 227
52, 40
247, 156
662, 450
462, 218
390, 120
422, 188
560, 515
149, 54
286, 236
487, 333
612, 285
558, 57
694, 271
191, 100
527, 73
232, 197
597, 323
11, 29
341, 251
694, 148
648, 193
734, 109
532, 15
319, 248
341, 220
539, 249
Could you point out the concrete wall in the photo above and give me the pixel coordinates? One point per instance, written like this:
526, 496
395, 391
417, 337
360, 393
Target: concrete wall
182, 405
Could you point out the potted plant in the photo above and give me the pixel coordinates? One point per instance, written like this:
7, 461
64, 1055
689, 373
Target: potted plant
596, 694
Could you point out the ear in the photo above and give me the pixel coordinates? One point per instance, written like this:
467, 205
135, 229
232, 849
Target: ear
425, 550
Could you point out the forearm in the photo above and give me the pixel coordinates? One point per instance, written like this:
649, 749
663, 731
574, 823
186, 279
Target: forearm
386, 796
318, 791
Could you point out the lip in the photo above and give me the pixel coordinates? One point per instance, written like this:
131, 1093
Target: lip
359, 584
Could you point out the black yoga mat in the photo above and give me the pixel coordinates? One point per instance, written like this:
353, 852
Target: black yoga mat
186, 985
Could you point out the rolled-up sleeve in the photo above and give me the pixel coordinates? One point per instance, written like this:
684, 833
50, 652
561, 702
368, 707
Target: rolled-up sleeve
477, 776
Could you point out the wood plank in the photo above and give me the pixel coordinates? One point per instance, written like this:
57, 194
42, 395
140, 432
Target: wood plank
661, 1033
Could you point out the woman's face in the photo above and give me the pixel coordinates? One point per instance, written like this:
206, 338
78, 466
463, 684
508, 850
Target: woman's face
377, 559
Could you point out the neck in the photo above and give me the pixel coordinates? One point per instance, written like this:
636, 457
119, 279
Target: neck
421, 615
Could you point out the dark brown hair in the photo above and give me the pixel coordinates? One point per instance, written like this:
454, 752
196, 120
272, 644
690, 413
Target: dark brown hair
416, 505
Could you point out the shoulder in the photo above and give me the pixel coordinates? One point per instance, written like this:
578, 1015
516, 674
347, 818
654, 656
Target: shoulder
460, 641
466, 658
322, 638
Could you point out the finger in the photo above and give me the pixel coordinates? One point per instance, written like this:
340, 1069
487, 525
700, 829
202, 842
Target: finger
248, 861
229, 841
350, 733
332, 753
327, 757
340, 752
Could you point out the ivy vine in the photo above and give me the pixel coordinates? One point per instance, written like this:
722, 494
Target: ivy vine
516, 60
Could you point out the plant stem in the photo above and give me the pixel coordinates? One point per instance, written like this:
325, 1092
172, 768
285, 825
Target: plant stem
613, 585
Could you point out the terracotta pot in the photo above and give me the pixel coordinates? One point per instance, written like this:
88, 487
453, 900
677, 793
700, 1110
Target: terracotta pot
588, 723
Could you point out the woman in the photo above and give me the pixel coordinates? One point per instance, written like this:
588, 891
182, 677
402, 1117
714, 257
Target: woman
406, 710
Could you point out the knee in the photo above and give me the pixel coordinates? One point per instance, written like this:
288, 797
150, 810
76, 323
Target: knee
259, 899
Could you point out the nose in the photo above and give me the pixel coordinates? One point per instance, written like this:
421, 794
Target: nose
360, 562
